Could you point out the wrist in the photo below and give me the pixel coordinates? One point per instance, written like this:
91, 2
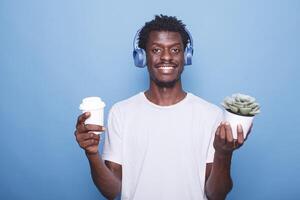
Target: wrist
223, 155
222, 161
91, 154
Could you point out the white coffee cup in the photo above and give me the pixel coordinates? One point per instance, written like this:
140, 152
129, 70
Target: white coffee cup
95, 106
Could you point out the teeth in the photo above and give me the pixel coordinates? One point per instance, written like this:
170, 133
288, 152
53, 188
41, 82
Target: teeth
165, 67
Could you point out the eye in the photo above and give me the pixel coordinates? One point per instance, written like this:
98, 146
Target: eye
175, 50
156, 50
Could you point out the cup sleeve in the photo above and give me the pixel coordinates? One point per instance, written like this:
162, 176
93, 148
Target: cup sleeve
112, 150
211, 149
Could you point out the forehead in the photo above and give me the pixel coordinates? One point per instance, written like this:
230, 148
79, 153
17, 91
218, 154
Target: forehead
164, 38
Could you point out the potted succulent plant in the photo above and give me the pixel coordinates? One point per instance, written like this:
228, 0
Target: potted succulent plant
240, 109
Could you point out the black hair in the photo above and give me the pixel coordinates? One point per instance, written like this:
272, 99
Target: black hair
162, 23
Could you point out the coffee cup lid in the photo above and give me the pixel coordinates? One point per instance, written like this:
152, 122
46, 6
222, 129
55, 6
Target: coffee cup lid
91, 103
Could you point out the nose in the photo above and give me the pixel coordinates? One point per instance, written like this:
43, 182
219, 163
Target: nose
166, 55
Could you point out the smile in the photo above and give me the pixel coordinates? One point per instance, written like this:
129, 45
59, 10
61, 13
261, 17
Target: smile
166, 67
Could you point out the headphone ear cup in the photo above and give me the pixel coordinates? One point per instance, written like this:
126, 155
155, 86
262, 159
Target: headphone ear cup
139, 56
188, 54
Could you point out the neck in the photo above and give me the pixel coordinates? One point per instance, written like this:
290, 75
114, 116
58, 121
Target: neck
165, 96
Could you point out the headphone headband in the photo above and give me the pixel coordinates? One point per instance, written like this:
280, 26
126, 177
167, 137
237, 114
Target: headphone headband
136, 39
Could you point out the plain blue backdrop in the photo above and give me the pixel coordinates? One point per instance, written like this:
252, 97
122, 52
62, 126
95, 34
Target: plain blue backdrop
54, 53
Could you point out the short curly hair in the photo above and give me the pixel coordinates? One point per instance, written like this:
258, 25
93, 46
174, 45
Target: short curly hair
162, 23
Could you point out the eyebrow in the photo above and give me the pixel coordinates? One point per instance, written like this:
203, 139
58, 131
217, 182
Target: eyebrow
160, 44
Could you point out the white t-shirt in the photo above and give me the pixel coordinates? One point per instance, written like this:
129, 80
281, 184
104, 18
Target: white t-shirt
163, 150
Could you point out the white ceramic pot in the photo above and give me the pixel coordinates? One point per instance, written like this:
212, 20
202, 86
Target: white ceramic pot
235, 119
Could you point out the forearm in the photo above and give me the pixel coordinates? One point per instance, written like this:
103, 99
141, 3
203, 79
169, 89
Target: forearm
219, 183
107, 183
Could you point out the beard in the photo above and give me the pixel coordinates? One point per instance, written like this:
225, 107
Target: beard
163, 84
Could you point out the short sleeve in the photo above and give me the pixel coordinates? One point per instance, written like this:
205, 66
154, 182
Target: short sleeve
211, 149
112, 150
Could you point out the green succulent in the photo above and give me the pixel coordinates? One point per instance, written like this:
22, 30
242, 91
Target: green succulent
241, 104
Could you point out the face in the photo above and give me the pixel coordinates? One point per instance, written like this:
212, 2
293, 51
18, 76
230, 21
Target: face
165, 57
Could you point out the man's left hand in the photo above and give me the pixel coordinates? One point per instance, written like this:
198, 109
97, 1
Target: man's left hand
224, 143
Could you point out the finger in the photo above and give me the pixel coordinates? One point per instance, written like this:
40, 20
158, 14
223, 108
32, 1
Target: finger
87, 143
77, 133
95, 136
222, 133
240, 135
87, 136
80, 126
228, 130
218, 130
93, 127
229, 137
81, 129
81, 118
250, 129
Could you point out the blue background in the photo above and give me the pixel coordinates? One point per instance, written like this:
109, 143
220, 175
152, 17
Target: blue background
54, 53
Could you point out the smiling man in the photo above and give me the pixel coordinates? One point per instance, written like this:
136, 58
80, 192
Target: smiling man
163, 143
165, 58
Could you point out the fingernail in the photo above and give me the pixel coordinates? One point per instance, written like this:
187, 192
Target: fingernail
87, 114
226, 123
103, 128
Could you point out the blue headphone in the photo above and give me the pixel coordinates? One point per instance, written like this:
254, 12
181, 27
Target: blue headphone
139, 54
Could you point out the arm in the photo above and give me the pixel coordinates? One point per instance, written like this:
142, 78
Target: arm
218, 179
219, 182
106, 175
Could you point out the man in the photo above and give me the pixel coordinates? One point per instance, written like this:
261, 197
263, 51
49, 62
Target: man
164, 143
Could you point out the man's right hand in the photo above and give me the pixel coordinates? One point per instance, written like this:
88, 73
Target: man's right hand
85, 136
